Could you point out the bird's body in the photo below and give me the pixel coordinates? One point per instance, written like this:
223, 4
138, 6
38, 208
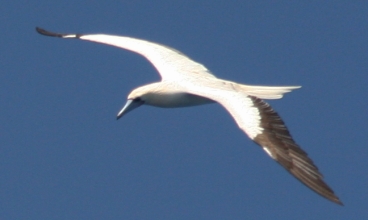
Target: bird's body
188, 83
167, 95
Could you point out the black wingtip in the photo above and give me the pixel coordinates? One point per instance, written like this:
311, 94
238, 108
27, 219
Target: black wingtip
53, 34
338, 201
48, 33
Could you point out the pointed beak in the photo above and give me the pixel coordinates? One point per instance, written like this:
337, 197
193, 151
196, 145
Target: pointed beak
129, 106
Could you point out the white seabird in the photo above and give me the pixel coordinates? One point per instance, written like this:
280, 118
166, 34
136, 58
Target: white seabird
188, 83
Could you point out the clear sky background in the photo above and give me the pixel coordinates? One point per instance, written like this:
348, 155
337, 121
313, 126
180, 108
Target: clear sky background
63, 155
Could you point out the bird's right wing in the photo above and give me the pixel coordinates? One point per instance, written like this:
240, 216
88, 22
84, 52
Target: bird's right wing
265, 127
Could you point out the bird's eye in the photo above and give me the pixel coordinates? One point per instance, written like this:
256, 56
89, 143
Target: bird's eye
137, 99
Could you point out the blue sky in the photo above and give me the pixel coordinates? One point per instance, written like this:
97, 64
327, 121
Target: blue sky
64, 156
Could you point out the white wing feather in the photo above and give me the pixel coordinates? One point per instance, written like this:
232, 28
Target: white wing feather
170, 63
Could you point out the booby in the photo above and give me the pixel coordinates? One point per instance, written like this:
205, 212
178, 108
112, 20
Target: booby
188, 83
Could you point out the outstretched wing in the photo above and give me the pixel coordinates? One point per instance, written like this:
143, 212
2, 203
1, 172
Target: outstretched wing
170, 63
265, 127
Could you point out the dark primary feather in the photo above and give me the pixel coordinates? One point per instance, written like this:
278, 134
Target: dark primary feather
53, 34
277, 139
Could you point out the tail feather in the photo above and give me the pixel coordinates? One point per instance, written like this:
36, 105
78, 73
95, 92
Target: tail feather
266, 92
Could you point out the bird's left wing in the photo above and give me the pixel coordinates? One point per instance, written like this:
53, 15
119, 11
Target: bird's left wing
170, 63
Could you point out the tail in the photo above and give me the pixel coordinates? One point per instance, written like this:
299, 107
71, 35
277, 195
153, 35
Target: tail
266, 92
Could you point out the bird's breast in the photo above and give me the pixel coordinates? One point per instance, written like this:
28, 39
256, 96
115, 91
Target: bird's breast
175, 100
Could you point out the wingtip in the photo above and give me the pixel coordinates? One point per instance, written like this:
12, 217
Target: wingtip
53, 34
47, 33
337, 201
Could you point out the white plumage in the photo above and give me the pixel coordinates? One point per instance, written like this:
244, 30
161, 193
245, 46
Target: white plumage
188, 83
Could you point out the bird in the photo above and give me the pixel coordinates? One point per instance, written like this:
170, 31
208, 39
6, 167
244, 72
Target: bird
185, 83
